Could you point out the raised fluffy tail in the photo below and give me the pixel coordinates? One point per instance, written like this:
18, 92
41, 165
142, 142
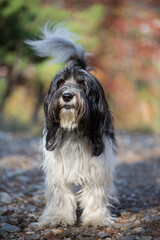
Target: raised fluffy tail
58, 43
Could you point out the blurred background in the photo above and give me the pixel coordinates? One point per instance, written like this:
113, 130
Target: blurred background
124, 37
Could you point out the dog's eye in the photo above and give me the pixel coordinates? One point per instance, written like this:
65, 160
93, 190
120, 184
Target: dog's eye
81, 83
61, 83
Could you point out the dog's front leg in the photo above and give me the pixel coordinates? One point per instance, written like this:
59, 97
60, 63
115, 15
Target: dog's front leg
94, 202
61, 206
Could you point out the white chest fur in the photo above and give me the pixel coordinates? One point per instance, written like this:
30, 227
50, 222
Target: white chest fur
72, 162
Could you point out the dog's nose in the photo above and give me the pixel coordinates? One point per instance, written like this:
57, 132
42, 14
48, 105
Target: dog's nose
67, 96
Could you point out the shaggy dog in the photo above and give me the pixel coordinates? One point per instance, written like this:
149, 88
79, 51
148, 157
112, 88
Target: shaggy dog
78, 136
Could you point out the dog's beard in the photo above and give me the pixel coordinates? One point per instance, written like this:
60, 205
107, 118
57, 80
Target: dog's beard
68, 118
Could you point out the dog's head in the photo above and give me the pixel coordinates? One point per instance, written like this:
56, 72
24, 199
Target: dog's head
76, 103
65, 102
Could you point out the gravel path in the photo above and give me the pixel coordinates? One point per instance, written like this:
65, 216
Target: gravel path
138, 185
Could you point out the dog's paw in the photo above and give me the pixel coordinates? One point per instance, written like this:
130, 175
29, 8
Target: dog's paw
94, 222
56, 221
97, 220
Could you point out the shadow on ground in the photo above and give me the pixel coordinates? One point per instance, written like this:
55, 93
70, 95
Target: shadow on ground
138, 185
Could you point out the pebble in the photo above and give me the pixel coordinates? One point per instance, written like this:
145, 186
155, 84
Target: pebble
133, 219
120, 225
17, 172
137, 222
35, 237
23, 179
5, 227
29, 233
147, 238
139, 230
5, 198
34, 188
102, 235
35, 226
2, 218
65, 234
88, 234
124, 214
28, 230
130, 237
30, 208
3, 209
47, 232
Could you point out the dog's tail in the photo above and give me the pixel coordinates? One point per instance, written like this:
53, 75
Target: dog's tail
58, 43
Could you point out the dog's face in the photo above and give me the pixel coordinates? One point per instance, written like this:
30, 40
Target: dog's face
76, 103
68, 99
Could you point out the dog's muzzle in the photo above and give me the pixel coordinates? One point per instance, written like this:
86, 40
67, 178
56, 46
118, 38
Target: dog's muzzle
68, 114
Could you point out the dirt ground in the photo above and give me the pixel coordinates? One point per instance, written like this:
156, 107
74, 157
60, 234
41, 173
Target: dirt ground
137, 216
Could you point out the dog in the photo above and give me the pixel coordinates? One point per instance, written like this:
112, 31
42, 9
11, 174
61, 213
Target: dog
78, 140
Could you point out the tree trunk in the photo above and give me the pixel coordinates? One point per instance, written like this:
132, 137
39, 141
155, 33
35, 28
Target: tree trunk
40, 98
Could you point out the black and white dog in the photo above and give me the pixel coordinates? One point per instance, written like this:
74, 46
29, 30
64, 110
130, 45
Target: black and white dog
78, 137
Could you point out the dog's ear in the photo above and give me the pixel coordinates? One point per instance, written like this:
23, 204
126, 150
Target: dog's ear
51, 139
101, 119
51, 124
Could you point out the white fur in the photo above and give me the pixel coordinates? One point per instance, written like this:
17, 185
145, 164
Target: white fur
71, 164
68, 118
56, 42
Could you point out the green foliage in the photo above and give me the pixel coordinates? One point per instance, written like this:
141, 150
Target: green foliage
145, 129
14, 15
92, 16
2, 88
40, 71
86, 23
20, 20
